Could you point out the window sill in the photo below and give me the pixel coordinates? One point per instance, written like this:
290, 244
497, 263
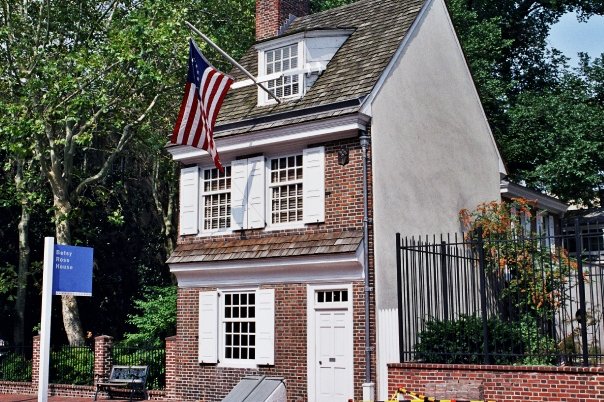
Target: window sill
285, 226
238, 364
210, 233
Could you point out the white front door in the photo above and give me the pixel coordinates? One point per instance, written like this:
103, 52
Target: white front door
333, 360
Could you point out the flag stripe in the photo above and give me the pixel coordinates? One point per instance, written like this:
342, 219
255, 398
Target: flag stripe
190, 98
222, 94
190, 120
183, 109
205, 91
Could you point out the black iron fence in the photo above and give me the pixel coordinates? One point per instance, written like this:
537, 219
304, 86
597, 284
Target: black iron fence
15, 363
153, 357
507, 300
71, 365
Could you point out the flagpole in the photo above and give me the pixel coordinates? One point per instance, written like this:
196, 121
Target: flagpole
229, 58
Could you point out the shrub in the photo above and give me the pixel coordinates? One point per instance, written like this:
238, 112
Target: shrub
72, 365
461, 342
15, 367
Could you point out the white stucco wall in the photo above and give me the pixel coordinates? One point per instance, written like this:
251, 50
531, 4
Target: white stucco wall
433, 154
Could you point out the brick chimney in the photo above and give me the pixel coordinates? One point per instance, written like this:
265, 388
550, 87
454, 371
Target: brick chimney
271, 14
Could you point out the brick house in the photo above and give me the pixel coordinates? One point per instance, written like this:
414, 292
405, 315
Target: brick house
285, 262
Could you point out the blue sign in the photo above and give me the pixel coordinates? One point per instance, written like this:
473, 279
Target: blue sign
72, 271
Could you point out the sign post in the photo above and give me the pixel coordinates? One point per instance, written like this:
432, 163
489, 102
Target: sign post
67, 271
49, 243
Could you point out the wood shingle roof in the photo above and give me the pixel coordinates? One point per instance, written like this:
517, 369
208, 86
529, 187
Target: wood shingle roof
343, 241
378, 28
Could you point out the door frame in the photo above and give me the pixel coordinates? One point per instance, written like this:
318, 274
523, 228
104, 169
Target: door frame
311, 331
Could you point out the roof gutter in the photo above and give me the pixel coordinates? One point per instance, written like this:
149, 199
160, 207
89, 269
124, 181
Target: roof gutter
368, 385
287, 115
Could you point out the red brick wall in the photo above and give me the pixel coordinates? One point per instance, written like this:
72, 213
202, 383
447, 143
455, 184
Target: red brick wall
271, 14
211, 383
503, 383
343, 211
343, 198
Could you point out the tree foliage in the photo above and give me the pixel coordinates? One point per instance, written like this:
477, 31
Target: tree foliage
546, 117
87, 93
155, 318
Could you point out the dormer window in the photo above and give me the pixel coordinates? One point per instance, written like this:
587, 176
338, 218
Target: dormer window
289, 65
280, 67
283, 60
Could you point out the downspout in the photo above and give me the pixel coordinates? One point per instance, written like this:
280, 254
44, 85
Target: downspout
368, 386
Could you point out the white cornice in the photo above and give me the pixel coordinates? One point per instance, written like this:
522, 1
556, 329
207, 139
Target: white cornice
287, 39
272, 139
544, 201
322, 268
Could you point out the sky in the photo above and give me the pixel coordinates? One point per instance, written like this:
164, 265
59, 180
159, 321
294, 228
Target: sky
571, 36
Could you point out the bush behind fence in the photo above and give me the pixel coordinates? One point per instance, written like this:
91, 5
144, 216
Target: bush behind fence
505, 300
75, 364
15, 363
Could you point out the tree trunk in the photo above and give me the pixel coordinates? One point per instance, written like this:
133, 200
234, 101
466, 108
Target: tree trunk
70, 311
165, 214
24, 257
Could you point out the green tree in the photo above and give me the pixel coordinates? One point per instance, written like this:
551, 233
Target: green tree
531, 96
83, 79
156, 317
563, 125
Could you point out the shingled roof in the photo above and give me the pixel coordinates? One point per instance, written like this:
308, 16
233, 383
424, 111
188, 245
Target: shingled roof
378, 28
345, 241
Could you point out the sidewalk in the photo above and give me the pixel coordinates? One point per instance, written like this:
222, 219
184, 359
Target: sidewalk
34, 398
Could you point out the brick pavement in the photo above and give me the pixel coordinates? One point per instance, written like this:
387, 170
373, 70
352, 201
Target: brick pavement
34, 398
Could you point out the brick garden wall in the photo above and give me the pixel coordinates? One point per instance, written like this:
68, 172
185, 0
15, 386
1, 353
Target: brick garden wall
102, 366
500, 383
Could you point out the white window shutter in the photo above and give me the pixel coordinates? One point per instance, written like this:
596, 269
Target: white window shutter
189, 200
208, 327
265, 326
256, 193
314, 185
238, 194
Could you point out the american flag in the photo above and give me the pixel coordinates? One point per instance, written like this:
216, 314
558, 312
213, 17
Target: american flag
205, 90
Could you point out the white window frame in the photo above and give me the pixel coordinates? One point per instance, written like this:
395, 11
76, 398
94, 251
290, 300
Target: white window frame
234, 362
203, 194
255, 195
269, 194
313, 191
263, 98
211, 347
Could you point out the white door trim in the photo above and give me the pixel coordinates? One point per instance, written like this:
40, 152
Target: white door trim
311, 328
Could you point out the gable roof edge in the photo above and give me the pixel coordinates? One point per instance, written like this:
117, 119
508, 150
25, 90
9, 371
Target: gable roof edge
366, 104
502, 169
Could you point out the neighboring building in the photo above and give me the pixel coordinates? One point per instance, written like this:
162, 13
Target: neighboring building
548, 211
591, 227
274, 269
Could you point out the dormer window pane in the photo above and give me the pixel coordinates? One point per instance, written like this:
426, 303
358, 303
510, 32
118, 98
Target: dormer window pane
282, 60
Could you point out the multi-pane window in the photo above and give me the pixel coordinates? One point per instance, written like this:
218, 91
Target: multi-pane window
239, 320
332, 296
286, 189
216, 199
281, 60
